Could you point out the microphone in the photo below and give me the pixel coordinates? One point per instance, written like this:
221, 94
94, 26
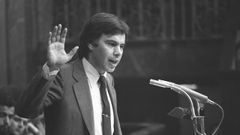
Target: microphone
178, 88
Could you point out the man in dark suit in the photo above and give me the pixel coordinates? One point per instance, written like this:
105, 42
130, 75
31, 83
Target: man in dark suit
68, 92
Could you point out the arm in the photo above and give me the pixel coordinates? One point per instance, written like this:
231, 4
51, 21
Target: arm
45, 87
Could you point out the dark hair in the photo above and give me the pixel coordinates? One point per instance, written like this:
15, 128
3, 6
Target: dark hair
9, 95
98, 24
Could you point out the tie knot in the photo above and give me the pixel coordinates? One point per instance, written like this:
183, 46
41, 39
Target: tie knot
102, 79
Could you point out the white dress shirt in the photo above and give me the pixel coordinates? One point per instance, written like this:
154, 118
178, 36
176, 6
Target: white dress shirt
93, 77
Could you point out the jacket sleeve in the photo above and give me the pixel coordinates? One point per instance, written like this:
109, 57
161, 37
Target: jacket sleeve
40, 93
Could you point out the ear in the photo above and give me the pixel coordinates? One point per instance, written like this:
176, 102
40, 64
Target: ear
90, 46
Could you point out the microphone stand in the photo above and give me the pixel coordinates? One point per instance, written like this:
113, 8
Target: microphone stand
197, 120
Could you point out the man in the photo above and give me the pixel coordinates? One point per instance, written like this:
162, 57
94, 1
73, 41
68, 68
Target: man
73, 101
7, 110
10, 123
6, 114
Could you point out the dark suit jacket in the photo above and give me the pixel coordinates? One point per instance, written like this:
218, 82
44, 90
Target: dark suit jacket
66, 101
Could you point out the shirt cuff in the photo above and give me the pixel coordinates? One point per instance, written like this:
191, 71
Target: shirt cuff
47, 73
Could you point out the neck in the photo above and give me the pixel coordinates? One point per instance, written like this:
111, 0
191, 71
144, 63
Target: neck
101, 72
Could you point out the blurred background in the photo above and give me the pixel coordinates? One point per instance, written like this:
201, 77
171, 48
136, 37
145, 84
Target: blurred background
181, 41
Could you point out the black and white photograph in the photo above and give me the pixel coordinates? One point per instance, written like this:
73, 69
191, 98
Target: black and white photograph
119, 67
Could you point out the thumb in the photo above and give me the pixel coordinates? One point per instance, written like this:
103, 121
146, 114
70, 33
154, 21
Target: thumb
73, 52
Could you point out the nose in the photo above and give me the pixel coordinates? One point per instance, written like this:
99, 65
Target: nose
20, 124
118, 51
7, 120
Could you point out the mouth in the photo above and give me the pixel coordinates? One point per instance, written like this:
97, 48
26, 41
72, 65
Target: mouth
112, 61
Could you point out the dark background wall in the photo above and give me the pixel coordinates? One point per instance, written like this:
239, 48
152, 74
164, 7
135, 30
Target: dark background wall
182, 41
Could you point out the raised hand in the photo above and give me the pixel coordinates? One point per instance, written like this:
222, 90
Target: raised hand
56, 54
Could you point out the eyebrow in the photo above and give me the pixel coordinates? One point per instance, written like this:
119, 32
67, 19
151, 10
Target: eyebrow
111, 40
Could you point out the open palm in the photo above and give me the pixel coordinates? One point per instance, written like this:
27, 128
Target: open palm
56, 53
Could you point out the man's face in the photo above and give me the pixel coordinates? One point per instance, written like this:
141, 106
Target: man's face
18, 125
9, 122
6, 113
106, 52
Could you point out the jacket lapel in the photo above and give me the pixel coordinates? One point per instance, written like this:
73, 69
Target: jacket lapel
82, 93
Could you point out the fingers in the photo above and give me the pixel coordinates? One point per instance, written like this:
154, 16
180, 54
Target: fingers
57, 35
50, 38
54, 33
59, 29
73, 52
63, 36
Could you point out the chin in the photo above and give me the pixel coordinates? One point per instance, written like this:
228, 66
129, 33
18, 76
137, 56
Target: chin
110, 70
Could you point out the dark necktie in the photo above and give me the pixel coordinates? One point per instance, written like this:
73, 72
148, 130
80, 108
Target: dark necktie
106, 121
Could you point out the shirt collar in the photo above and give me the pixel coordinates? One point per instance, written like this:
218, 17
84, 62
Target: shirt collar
91, 72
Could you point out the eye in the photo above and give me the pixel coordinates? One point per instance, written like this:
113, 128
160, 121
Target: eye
111, 44
17, 119
122, 46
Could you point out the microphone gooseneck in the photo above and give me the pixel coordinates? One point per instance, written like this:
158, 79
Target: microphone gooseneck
179, 88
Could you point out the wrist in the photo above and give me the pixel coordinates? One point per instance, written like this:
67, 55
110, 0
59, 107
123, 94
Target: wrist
47, 72
52, 67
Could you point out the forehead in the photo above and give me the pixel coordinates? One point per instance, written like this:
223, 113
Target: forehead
20, 119
7, 109
118, 38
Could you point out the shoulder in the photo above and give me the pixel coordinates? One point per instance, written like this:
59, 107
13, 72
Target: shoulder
73, 69
69, 67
